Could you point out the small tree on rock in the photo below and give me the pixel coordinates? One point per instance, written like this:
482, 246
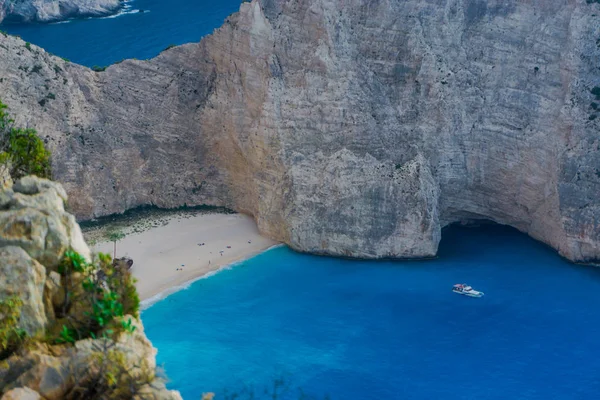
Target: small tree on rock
114, 236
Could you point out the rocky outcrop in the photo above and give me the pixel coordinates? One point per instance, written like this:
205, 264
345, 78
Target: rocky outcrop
52, 373
54, 10
33, 218
35, 232
356, 128
25, 278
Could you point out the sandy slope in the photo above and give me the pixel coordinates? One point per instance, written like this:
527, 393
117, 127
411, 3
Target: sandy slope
168, 256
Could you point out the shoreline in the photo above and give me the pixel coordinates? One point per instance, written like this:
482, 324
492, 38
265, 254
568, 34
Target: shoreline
182, 249
150, 301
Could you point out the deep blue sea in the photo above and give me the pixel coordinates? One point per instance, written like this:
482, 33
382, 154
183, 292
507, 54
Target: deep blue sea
103, 41
389, 329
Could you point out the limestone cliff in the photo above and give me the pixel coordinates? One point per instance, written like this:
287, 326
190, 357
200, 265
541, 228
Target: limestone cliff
355, 128
35, 232
54, 10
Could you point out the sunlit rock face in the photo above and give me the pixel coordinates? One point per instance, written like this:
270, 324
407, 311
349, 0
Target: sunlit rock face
54, 10
356, 128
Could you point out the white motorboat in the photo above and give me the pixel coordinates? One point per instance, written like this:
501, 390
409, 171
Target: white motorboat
464, 289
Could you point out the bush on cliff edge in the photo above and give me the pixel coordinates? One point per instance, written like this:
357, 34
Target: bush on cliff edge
96, 297
22, 152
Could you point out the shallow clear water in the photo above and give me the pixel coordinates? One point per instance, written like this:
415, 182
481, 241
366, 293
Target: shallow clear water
103, 41
390, 330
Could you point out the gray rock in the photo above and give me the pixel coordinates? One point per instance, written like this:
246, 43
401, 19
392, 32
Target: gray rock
23, 277
21, 394
298, 113
54, 10
32, 216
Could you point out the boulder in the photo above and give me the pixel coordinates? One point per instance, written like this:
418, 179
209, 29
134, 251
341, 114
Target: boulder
21, 394
41, 235
34, 218
22, 276
123, 263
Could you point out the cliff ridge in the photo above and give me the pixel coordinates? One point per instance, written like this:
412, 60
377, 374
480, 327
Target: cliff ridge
354, 128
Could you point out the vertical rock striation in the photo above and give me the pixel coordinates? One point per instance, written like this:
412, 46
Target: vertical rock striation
353, 127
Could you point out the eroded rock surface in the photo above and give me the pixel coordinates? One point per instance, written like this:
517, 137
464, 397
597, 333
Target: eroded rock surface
24, 278
354, 127
35, 231
54, 10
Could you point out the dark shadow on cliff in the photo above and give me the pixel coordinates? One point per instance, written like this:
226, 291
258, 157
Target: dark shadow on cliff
489, 234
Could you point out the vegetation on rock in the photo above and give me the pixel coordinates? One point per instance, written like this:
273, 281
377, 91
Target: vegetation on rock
22, 152
10, 334
96, 296
69, 321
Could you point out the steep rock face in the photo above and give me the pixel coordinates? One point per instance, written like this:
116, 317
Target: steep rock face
353, 128
54, 10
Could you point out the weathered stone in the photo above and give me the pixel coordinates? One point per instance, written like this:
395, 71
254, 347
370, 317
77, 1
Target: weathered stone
34, 227
40, 371
23, 277
49, 377
35, 219
491, 98
54, 10
32, 185
42, 236
5, 178
123, 263
53, 294
21, 394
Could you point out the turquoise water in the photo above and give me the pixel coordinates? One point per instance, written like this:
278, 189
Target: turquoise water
132, 34
390, 330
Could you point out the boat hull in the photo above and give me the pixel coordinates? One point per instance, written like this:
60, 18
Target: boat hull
470, 294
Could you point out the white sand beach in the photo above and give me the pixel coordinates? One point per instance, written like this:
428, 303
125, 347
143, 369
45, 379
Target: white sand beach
166, 257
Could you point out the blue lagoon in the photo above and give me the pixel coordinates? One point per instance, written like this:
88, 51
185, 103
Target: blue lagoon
389, 329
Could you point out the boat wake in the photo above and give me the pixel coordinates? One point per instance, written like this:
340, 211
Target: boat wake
125, 10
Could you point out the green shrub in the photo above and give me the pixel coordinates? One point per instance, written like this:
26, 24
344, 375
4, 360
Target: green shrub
96, 297
28, 46
97, 68
21, 150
